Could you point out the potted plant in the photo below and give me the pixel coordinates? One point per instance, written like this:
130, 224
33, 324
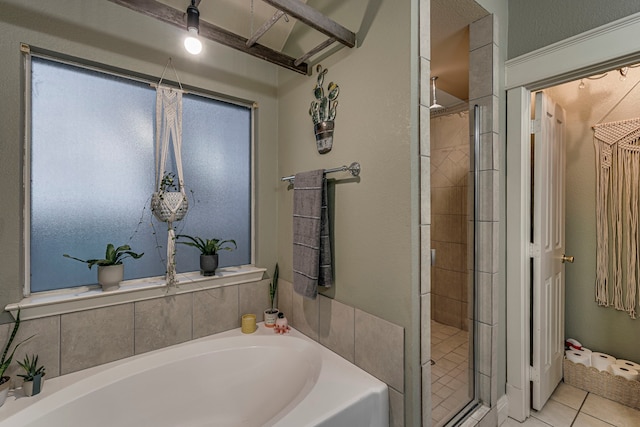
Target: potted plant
208, 251
5, 361
323, 111
110, 268
271, 314
33, 377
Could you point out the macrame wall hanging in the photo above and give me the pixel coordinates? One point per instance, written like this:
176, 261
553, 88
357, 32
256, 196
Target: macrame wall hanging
617, 146
169, 202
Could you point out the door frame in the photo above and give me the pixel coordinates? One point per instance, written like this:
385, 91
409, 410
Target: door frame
604, 48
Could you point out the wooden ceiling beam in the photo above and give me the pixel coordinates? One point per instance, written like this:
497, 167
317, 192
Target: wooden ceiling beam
315, 19
209, 31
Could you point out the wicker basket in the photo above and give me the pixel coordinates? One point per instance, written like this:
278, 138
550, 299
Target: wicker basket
602, 383
169, 206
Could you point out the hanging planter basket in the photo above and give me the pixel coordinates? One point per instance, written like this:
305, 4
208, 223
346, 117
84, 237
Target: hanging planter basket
169, 206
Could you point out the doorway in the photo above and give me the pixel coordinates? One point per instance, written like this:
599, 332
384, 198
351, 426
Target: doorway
580, 59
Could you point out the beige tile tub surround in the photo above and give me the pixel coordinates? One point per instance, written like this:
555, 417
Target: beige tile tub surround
335, 330
161, 322
377, 344
45, 344
94, 337
215, 310
254, 298
373, 344
70, 342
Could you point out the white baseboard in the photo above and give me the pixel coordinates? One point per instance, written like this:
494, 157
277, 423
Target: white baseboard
503, 409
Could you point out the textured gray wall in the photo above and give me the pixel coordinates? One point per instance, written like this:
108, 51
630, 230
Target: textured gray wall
535, 24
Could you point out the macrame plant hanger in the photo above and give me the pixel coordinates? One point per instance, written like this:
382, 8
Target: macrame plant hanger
617, 146
169, 206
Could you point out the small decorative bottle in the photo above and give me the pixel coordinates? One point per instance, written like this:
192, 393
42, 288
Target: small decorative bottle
282, 325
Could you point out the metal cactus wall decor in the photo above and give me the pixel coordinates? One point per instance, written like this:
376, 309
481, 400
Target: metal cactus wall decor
323, 111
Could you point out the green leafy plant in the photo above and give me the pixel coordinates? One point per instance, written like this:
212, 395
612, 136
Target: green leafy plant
113, 256
324, 107
208, 246
6, 361
31, 368
273, 288
168, 182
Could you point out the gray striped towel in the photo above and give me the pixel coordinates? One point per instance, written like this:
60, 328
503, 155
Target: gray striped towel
311, 241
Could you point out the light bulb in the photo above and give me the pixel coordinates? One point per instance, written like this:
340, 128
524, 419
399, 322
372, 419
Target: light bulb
191, 43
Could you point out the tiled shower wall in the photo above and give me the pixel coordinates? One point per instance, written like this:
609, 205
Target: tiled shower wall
70, 342
449, 187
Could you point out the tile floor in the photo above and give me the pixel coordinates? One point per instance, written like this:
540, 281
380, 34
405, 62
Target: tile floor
450, 373
571, 407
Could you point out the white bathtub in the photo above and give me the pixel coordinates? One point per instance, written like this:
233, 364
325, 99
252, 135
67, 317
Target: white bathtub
227, 379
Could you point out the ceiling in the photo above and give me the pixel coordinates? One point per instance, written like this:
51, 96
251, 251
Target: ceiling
450, 21
237, 16
603, 98
309, 31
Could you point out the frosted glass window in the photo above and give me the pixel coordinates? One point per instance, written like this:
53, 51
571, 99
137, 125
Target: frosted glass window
92, 175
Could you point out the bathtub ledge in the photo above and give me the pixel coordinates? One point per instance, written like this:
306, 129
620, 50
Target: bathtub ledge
52, 303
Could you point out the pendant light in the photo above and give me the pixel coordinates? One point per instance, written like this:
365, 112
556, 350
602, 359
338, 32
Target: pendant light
192, 43
435, 105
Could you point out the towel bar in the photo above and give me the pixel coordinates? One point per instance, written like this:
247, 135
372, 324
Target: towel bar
353, 168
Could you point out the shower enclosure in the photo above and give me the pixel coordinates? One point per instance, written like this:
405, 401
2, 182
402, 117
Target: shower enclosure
463, 233
453, 201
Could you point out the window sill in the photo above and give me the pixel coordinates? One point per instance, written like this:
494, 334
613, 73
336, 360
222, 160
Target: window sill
64, 301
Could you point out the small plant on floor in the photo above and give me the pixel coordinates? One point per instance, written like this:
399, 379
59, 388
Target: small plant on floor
113, 256
31, 368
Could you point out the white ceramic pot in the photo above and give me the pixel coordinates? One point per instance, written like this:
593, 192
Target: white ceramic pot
110, 276
270, 317
4, 389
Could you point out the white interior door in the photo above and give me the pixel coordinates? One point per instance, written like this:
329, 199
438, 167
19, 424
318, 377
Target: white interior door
547, 249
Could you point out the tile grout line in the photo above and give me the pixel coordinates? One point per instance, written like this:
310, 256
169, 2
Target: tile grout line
593, 416
580, 409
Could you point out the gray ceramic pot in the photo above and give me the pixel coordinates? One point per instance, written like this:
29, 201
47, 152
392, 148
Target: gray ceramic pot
208, 264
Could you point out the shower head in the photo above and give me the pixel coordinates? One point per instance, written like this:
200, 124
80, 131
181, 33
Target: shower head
434, 105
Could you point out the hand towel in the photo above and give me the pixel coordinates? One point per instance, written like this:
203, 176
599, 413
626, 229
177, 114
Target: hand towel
311, 242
